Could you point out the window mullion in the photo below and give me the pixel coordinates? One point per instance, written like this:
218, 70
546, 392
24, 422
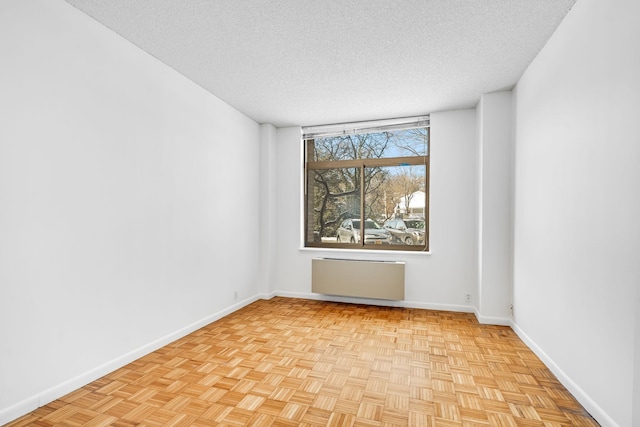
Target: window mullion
388, 161
362, 202
393, 168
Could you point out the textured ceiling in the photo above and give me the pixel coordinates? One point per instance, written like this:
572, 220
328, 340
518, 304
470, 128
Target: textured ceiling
307, 62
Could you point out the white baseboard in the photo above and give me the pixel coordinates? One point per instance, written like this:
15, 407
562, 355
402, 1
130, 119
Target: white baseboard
377, 302
602, 417
34, 402
485, 320
492, 320
21, 408
585, 400
268, 296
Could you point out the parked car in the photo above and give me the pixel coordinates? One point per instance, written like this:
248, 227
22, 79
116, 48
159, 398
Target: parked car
349, 232
409, 231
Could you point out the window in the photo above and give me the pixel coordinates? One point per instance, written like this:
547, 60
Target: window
367, 185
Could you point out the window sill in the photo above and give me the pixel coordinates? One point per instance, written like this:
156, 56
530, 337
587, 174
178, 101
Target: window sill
364, 251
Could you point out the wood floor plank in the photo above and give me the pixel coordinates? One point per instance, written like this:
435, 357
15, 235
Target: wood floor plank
294, 362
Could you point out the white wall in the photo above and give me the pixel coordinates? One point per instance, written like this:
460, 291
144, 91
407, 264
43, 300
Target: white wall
116, 188
577, 234
636, 366
268, 190
495, 207
437, 280
120, 226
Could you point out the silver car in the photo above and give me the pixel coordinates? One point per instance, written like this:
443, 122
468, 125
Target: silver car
349, 232
409, 231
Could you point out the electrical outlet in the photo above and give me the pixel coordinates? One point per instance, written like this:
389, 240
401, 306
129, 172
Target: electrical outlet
467, 297
235, 295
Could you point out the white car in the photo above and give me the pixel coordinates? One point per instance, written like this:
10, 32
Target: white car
349, 232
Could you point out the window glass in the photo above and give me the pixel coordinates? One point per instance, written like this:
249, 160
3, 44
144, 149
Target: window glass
399, 143
397, 192
335, 198
418, 224
361, 187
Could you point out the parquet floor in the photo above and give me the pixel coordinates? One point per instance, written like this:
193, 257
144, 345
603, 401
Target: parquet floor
292, 362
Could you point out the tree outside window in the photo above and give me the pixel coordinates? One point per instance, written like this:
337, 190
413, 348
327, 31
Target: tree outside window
370, 179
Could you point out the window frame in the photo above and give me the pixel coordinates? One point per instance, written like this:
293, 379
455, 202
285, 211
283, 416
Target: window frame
310, 165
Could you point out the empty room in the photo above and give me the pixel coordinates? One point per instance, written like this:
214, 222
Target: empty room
320, 213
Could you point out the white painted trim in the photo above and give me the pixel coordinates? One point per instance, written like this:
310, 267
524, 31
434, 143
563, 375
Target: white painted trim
485, 320
268, 296
21, 408
34, 402
377, 302
328, 252
592, 407
490, 320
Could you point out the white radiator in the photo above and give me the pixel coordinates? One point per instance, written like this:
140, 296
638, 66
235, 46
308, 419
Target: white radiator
351, 278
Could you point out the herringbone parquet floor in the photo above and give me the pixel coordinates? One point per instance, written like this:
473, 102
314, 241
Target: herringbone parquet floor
292, 362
